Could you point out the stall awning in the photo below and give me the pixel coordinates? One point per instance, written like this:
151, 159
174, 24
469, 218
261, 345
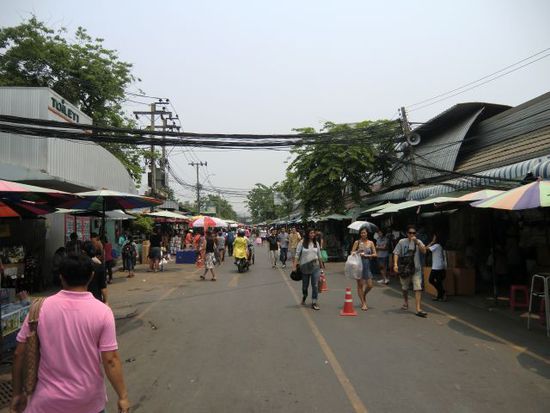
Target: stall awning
334, 217
539, 167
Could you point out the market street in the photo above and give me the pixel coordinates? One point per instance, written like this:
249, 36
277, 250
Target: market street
243, 344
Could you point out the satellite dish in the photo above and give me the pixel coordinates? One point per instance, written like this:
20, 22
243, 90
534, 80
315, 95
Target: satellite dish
413, 139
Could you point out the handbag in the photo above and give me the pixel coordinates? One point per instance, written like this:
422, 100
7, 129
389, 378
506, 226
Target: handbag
296, 275
324, 255
32, 348
406, 264
322, 283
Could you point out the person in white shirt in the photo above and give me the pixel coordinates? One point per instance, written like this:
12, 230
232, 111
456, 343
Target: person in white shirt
437, 275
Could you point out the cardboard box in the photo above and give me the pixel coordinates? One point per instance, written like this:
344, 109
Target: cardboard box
448, 284
455, 259
464, 280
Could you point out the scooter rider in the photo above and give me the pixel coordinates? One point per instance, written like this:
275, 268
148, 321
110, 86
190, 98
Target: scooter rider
240, 246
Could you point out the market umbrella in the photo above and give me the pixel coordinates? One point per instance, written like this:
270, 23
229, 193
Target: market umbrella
106, 200
530, 196
359, 225
207, 222
168, 215
479, 195
16, 191
23, 209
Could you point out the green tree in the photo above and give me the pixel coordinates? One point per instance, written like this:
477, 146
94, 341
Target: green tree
82, 70
330, 173
261, 203
223, 208
289, 192
143, 224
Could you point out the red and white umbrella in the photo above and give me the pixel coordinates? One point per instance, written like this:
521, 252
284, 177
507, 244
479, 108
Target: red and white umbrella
207, 222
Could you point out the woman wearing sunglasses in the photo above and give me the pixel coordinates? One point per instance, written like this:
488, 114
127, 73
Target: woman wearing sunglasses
406, 262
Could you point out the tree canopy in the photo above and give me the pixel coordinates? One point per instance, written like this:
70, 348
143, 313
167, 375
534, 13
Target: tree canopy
82, 70
331, 174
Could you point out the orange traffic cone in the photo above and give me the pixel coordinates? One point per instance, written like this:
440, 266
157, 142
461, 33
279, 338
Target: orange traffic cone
323, 287
348, 309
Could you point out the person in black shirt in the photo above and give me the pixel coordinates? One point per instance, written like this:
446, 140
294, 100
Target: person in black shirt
273, 247
208, 248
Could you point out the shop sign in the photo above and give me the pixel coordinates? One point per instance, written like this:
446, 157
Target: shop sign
64, 108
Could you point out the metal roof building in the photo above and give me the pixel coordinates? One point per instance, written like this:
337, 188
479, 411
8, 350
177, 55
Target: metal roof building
55, 163
474, 145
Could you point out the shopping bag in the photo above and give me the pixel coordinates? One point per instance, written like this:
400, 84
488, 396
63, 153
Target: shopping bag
324, 255
322, 283
354, 267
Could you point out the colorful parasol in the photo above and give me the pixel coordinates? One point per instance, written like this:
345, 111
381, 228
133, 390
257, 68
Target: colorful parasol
23, 209
106, 200
16, 191
533, 195
479, 195
207, 222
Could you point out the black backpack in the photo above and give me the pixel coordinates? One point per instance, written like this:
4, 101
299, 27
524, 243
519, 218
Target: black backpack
128, 249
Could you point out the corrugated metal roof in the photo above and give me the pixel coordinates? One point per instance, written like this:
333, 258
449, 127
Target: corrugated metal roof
439, 150
520, 120
71, 164
509, 151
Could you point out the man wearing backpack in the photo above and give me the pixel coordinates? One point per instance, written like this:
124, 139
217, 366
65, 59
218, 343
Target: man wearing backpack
406, 263
129, 253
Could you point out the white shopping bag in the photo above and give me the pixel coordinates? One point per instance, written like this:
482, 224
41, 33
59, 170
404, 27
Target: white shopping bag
354, 267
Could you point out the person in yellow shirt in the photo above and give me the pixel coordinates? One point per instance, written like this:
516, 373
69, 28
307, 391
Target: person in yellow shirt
293, 239
240, 246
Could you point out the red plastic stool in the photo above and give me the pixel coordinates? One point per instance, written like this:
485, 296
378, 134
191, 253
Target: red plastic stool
513, 299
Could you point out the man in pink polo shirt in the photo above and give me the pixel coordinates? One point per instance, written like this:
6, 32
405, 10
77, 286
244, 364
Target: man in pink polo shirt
77, 334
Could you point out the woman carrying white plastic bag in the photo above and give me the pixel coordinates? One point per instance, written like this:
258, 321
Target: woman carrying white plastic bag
353, 267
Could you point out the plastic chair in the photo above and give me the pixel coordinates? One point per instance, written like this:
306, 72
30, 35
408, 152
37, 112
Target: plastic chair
514, 302
543, 293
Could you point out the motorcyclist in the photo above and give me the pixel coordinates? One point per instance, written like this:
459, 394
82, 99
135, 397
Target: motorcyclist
240, 246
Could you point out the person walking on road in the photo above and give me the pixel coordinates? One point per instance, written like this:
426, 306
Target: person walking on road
308, 257
406, 263
283, 240
273, 247
208, 248
220, 241
77, 335
293, 239
437, 274
155, 254
230, 240
129, 254
367, 251
382, 252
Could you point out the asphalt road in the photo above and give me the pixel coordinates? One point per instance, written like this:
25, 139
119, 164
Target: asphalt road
243, 344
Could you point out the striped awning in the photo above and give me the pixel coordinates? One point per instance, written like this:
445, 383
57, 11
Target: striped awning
539, 167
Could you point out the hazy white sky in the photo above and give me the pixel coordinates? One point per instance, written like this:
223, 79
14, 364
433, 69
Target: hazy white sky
270, 66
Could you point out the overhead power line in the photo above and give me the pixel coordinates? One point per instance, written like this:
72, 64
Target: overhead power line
479, 82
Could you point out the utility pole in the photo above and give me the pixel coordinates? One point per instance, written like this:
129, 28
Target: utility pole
197, 164
154, 111
408, 136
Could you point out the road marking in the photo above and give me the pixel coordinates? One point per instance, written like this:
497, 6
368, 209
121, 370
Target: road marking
352, 395
515, 347
234, 281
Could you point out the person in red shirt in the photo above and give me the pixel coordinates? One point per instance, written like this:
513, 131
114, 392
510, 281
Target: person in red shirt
188, 239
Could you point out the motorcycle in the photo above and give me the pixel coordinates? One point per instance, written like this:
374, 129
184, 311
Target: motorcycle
242, 264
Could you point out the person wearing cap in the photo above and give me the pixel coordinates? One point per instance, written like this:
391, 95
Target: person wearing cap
188, 239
